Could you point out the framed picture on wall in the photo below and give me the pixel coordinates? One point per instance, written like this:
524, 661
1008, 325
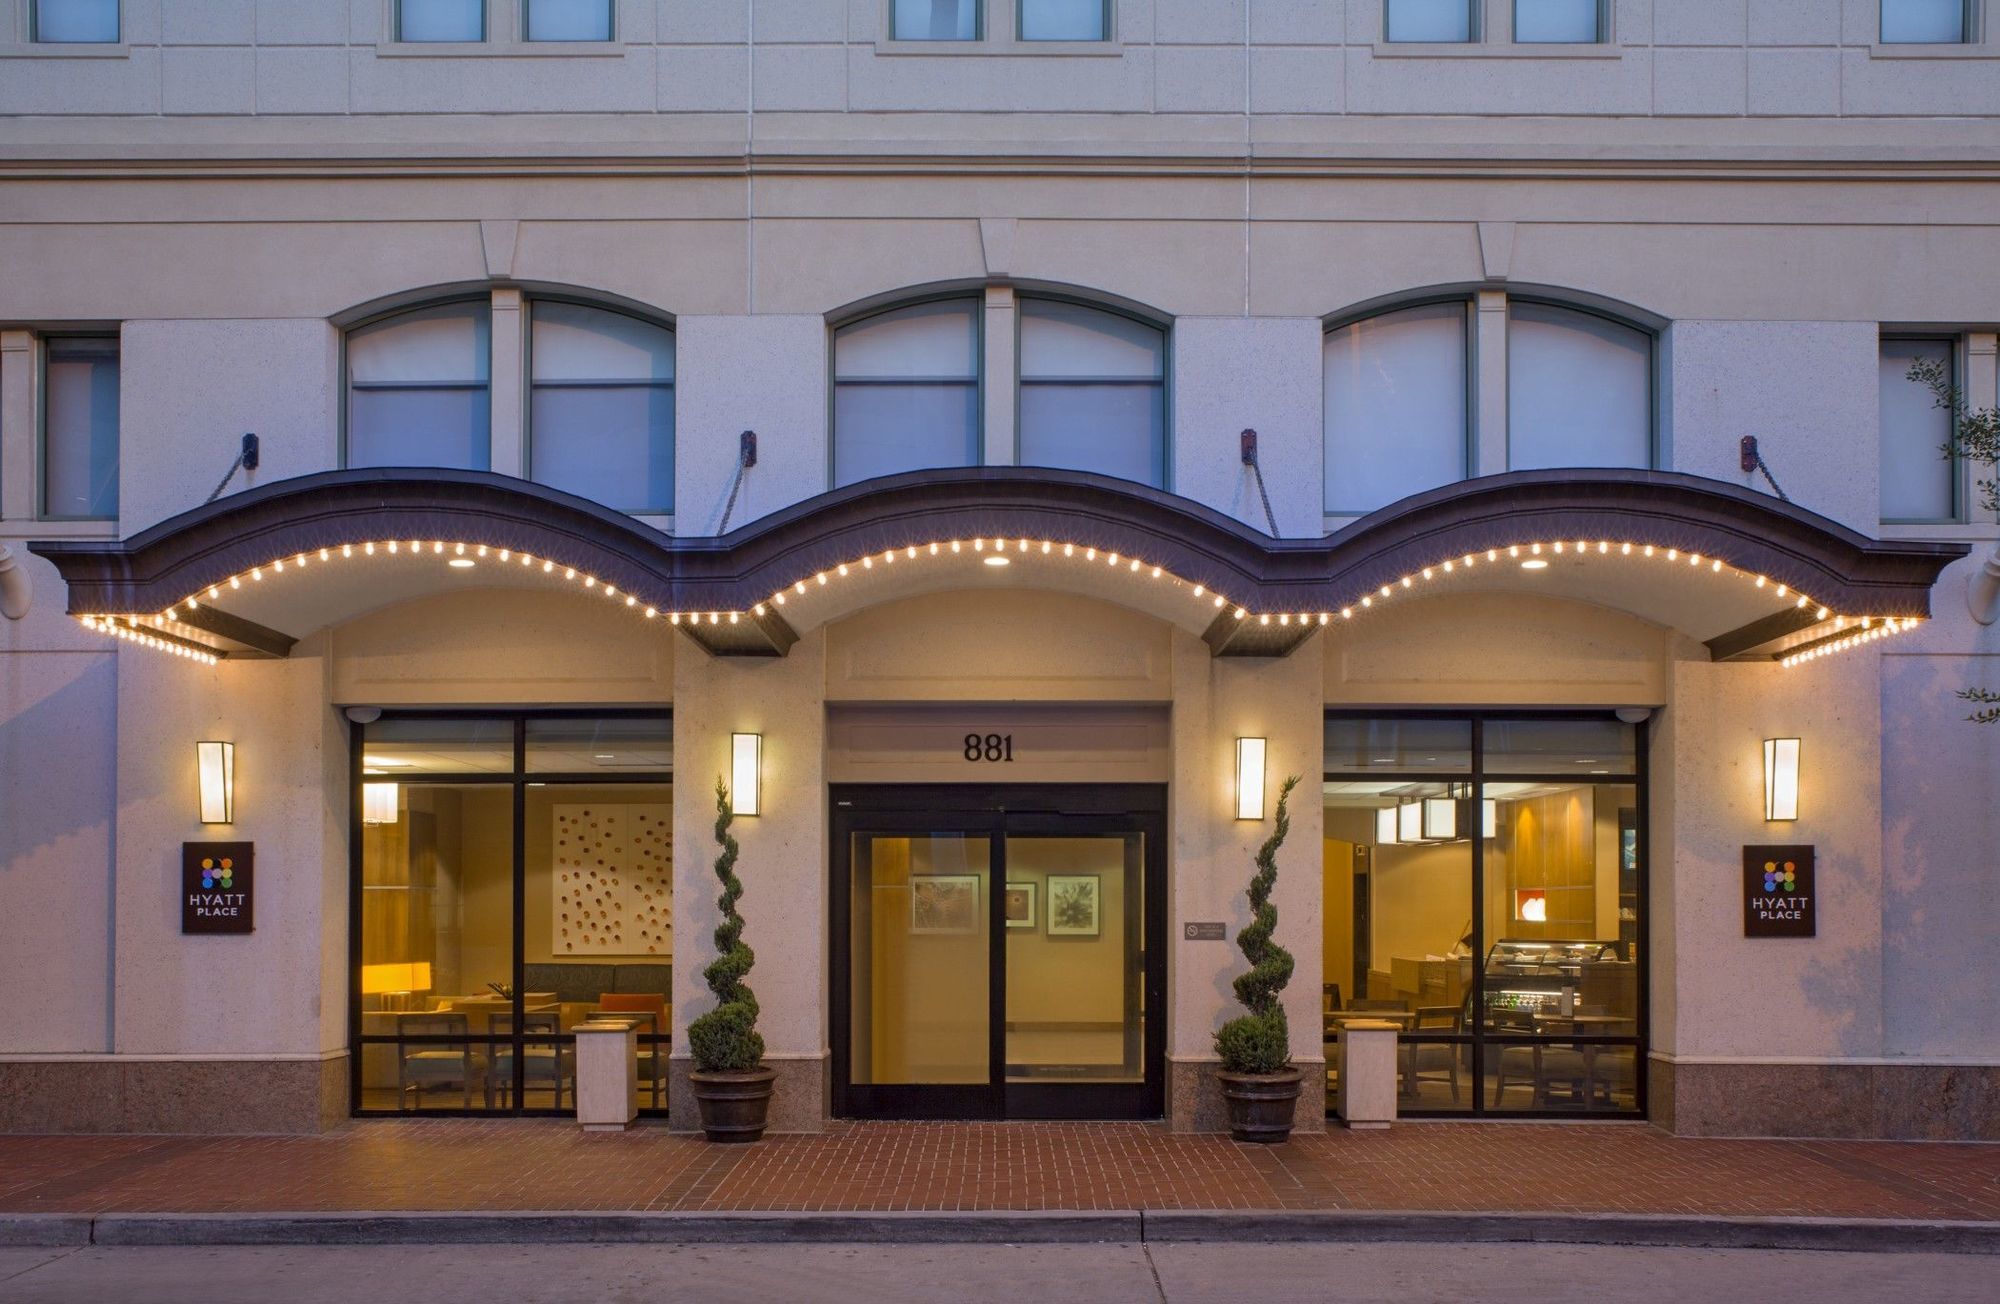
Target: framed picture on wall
944, 903
1019, 905
1075, 905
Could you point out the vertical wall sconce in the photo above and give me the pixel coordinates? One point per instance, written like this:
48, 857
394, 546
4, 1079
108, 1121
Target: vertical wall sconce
215, 765
1781, 779
1250, 778
1489, 818
746, 774
379, 804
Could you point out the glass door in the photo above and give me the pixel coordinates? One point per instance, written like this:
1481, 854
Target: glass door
998, 952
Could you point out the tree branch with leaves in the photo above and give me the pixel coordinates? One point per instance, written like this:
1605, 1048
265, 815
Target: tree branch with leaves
1974, 438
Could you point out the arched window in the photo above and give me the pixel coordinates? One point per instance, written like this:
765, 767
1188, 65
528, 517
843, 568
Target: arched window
1579, 389
906, 391
1093, 391
601, 405
1396, 400
417, 389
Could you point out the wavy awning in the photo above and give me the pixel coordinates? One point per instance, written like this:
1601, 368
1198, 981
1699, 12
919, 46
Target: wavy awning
1750, 575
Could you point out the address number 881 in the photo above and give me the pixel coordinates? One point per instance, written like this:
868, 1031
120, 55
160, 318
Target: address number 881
992, 748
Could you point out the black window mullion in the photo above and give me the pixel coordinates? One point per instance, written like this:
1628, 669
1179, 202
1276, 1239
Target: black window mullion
1477, 1072
520, 911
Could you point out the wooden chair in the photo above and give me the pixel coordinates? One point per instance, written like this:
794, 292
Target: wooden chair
1423, 1062
652, 1051
424, 1066
547, 1065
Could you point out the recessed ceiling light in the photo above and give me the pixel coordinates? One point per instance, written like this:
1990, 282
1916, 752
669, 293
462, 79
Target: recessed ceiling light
1535, 563
999, 561
603, 756
461, 563
384, 762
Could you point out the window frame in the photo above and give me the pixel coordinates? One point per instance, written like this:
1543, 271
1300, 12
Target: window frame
611, 14
518, 779
1654, 389
1469, 421
1970, 13
980, 28
1475, 25
528, 302
396, 36
343, 449
1955, 349
979, 379
1477, 1035
1603, 36
35, 36
42, 342
1165, 382
1105, 8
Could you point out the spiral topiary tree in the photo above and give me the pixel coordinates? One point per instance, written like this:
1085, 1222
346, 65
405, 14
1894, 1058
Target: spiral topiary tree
1260, 1041
725, 1040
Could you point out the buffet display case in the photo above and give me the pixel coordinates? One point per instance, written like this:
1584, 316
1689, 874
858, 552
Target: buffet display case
1530, 979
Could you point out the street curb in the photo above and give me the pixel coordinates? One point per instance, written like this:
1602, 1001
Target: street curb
1000, 1227
908, 1228
1692, 1231
44, 1230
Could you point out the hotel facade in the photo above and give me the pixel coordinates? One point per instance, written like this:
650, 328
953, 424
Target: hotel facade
1000, 442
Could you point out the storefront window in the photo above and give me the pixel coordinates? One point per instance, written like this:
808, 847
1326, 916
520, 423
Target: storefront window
495, 911
1498, 918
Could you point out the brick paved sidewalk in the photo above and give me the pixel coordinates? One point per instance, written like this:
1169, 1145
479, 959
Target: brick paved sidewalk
450, 1164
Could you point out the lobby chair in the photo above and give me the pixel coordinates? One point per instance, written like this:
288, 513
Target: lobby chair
551, 1066
437, 1066
1433, 1062
652, 1053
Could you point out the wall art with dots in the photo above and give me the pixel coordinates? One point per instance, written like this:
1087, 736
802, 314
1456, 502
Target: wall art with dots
613, 876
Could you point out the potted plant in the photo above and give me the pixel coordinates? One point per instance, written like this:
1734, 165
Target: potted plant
732, 1087
1259, 1084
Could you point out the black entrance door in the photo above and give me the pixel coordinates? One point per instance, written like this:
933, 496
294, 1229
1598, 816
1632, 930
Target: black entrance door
999, 951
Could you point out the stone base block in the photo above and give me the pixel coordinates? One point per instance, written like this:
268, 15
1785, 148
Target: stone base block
799, 1099
169, 1096
1904, 1102
1194, 1101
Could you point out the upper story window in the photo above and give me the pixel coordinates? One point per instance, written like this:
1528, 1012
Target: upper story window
440, 20
80, 427
906, 390
1401, 386
1926, 22
1579, 389
1430, 20
80, 22
418, 389
568, 20
601, 406
1919, 478
935, 20
1558, 22
1093, 391
1065, 20
1396, 405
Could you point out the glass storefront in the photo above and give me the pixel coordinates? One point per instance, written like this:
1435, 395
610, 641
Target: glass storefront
1484, 890
513, 876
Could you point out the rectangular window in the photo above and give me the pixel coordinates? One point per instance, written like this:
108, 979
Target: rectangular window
1919, 476
568, 20
1926, 22
417, 391
906, 391
935, 20
1395, 405
440, 20
76, 22
1429, 20
1558, 22
1498, 919
1065, 20
80, 427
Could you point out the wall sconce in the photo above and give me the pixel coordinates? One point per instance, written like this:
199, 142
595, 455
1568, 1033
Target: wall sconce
1781, 779
1410, 821
378, 803
1385, 827
1250, 778
746, 773
1440, 819
215, 766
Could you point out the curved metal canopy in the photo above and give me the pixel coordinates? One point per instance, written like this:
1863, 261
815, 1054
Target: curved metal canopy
196, 581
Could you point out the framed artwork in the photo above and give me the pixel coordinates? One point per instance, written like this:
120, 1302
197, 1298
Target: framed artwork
612, 883
1019, 905
944, 903
1075, 905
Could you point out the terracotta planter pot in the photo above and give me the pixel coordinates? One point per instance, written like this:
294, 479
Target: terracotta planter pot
1261, 1105
734, 1105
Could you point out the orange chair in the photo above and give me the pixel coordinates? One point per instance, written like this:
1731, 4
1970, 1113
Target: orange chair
652, 1045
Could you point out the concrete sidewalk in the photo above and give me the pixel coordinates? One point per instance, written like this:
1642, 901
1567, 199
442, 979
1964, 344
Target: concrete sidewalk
536, 1181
